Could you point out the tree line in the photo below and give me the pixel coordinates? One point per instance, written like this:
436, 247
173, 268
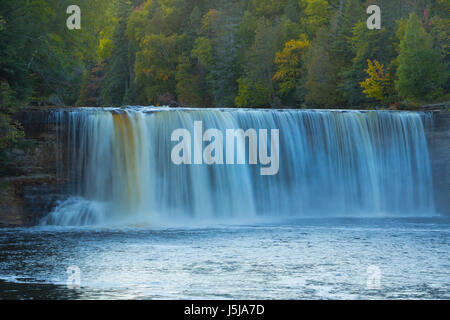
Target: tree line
224, 53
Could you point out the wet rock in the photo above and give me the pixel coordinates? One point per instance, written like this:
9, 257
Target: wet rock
29, 186
438, 136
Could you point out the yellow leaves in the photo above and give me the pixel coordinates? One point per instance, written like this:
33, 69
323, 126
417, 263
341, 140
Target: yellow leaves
289, 57
288, 63
105, 48
376, 84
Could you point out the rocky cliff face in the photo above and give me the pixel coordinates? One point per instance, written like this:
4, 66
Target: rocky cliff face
31, 186
438, 136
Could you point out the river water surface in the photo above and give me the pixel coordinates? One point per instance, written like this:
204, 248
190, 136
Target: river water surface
341, 258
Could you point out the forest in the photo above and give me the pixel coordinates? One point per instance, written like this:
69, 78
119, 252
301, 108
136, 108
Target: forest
222, 53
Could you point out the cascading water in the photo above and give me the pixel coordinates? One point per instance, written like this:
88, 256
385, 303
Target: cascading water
331, 163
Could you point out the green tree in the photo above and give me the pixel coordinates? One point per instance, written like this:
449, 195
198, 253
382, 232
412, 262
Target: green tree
10, 131
317, 15
225, 71
322, 73
203, 54
187, 87
260, 63
156, 67
118, 78
269, 8
350, 12
366, 44
420, 72
252, 94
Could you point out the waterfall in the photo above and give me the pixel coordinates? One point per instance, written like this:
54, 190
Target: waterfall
331, 163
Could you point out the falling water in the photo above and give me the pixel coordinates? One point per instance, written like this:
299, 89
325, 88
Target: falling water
332, 163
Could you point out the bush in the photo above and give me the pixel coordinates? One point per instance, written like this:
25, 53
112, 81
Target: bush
11, 133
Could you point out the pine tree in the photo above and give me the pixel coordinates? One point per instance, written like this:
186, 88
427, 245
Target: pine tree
118, 74
351, 11
225, 72
187, 87
260, 63
322, 72
366, 44
420, 72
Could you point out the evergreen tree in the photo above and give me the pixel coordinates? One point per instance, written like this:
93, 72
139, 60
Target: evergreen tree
223, 53
225, 72
366, 44
187, 87
322, 73
350, 12
420, 72
260, 63
118, 77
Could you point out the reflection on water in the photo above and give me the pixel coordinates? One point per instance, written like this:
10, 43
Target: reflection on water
305, 258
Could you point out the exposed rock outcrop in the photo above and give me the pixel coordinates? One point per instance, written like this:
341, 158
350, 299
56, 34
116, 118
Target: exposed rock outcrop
29, 186
438, 136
